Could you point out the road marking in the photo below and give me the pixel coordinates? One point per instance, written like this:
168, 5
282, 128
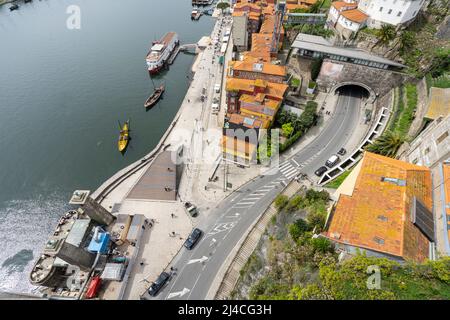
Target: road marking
202, 259
258, 194
243, 202
290, 171
178, 293
296, 162
284, 165
213, 240
220, 227
257, 198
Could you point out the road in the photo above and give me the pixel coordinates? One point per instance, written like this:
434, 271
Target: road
226, 224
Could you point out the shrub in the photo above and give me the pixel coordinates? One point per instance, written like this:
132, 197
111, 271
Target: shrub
298, 228
322, 245
281, 201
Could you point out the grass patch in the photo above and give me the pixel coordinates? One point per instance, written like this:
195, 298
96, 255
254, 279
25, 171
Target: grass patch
334, 184
295, 82
407, 116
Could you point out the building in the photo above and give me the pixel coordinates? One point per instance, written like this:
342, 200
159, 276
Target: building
253, 11
310, 46
391, 12
253, 69
385, 209
346, 18
240, 31
349, 16
266, 90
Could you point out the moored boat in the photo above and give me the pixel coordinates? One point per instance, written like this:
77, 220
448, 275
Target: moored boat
161, 51
156, 95
124, 136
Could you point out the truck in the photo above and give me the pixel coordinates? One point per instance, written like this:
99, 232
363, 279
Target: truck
191, 209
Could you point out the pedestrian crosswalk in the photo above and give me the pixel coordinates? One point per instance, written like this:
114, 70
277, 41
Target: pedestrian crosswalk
289, 169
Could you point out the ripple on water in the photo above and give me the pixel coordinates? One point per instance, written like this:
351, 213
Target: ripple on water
24, 227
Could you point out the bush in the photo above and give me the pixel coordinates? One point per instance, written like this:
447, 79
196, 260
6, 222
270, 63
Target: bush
322, 245
281, 201
298, 228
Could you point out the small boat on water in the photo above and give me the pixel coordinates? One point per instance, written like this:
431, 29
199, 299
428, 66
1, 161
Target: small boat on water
14, 7
156, 95
124, 136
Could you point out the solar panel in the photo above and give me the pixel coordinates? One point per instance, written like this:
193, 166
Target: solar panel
422, 218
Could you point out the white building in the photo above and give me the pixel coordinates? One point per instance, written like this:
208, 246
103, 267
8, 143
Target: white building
348, 16
239, 32
393, 12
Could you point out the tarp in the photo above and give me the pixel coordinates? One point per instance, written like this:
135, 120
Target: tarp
100, 246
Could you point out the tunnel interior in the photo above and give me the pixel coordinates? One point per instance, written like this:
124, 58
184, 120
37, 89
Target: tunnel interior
353, 90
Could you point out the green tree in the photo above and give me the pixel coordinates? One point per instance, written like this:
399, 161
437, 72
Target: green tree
223, 5
385, 34
287, 129
386, 145
315, 68
298, 228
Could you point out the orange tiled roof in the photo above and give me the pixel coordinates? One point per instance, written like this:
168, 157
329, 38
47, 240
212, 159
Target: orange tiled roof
310, 2
240, 120
355, 15
237, 147
248, 64
381, 209
276, 90
292, 6
342, 4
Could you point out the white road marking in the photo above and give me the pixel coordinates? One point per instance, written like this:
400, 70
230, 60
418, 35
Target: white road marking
290, 171
296, 162
257, 198
178, 293
212, 241
202, 259
246, 202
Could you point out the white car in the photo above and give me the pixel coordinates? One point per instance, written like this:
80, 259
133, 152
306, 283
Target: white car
215, 106
217, 87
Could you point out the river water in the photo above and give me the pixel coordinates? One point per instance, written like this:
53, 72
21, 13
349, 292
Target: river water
62, 92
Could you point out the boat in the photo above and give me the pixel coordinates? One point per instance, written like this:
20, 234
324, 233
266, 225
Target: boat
161, 51
195, 14
124, 136
14, 7
156, 95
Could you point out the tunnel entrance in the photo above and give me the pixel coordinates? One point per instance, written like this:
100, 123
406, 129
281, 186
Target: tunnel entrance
353, 90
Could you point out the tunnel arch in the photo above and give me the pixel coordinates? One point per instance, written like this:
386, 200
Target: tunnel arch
371, 95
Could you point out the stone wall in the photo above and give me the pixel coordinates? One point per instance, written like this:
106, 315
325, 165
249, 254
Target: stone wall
380, 81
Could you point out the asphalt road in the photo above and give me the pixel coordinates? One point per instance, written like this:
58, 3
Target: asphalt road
225, 225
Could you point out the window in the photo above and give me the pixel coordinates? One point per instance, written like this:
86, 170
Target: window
399, 14
381, 9
378, 240
442, 137
390, 10
382, 218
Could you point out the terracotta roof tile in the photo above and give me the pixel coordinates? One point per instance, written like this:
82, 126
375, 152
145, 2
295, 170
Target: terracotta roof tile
355, 15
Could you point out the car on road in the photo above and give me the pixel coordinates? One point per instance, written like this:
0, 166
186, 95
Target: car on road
193, 238
217, 87
342, 151
319, 172
215, 106
156, 286
334, 159
191, 209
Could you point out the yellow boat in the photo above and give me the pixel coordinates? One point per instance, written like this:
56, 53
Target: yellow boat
124, 136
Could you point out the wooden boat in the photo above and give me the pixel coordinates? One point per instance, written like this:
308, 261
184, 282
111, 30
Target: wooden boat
151, 101
124, 136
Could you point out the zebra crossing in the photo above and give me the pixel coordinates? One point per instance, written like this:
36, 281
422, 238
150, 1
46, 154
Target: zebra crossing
257, 195
290, 169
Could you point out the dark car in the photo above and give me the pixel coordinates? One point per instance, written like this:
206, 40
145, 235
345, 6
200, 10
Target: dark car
319, 172
193, 238
158, 284
342, 151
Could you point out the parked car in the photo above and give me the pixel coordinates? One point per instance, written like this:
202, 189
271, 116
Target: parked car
342, 151
215, 106
334, 159
217, 87
193, 238
319, 172
156, 286
191, 209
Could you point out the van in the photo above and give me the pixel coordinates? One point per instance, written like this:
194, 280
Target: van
217, 88
332, 161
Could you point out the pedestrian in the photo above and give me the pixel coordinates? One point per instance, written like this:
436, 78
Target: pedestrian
143, 228
172, 215
171, 268
173, 233
142, 263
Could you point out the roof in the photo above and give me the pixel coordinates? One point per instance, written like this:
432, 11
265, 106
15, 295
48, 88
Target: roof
342, 4
377, 216
439, 103
252, 65
320, 44
243, 121
236, 147
276, 90
355, 15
